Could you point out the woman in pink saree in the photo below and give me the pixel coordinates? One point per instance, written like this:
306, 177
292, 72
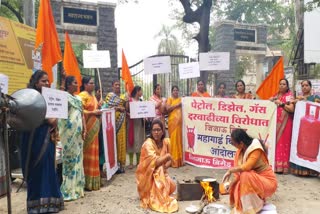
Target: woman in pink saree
285, 108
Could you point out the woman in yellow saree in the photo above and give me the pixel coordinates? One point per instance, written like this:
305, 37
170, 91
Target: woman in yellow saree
153, 182
91, 142
175, 126
253, 179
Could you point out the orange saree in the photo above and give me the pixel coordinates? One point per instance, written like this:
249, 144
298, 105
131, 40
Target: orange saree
175, 132
198, 94
91, 143
154, 184
255, 183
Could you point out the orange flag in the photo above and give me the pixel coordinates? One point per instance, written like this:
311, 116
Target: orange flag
270, 86
126, 75
48, 37
70, 63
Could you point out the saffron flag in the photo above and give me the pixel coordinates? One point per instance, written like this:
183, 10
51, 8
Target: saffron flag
270, 85
126, 75
48, 37
70, 63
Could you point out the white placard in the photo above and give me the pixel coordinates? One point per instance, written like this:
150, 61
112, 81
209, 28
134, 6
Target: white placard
96, 59
214, 61
4, 82
144, 109
57, 103
189, 70
109, 141
157, 65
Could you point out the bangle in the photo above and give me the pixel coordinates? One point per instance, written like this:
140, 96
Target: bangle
282, 105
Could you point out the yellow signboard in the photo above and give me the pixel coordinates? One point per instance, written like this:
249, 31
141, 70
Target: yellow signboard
16, 47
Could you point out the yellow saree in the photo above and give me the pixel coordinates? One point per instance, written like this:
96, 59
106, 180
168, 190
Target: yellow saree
175, 132
91, 143
154, 184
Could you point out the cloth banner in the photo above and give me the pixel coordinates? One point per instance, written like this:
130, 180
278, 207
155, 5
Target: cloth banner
109, 141
208, 122
305, 141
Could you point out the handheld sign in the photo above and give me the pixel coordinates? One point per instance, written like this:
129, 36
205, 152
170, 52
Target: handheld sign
189, 70
144, 109
96, 59
4, 79
57, 103
214, 61
157, 65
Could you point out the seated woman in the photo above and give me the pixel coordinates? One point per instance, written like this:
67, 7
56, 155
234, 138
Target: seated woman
153, 182
253, 179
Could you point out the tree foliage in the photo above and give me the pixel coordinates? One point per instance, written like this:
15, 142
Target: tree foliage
169, 43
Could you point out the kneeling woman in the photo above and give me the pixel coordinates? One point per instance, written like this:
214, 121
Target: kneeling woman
154, 184
253, 179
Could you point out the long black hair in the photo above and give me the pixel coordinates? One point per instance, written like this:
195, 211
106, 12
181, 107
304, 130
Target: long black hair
34, 79
69, 80
159, 122
155, 88
135, 90
85, 80
239, 135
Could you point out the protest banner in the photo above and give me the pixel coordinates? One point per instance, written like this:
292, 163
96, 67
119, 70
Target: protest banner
208, 123
16, 47
305, 147
96, 59
57, 103
157, 65
144, 109
109, 141
214, 61
189, 70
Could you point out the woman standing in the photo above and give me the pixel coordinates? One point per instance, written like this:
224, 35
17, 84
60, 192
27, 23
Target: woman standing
175, 126
159, 102
135, 129
253, 179
285, 109
117, 101
153, 181
306, 87
221, 91
72, 133
200, 90
91, 143
241, 91
43, 191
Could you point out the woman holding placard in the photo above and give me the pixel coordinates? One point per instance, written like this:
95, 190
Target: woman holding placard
43, 190
175, 126
72, 133
241, 91
91, 143
135, 128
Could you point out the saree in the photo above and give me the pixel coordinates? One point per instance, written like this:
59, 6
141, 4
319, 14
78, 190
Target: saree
43, 191
250, 189
244, 96
158, 110
91, 143
175, 132
70, 129
113, 100
154, 184
198, 94
300, 170
283, 135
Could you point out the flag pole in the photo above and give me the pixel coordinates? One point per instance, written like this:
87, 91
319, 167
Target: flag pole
99, 79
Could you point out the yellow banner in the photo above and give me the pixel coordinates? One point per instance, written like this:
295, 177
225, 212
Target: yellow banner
208, 123
16, 46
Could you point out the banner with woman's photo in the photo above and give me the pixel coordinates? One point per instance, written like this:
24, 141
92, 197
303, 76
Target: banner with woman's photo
208, 123
305, 141
109, 141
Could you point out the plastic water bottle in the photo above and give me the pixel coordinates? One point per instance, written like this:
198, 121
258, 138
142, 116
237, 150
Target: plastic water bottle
175, 181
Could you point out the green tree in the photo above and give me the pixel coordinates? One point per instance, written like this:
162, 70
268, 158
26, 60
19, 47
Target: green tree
169, 44
12, 9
